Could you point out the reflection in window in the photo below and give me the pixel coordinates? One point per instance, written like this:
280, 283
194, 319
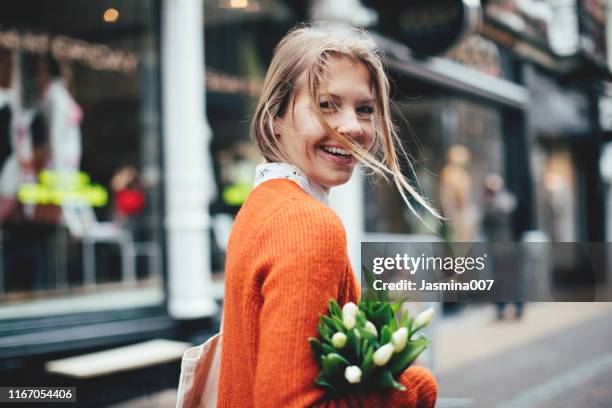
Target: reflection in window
454, 145
80, 188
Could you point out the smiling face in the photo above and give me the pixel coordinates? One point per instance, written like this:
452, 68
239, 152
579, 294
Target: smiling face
347, 104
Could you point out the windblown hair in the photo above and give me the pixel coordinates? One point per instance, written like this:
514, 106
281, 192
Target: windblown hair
300, 59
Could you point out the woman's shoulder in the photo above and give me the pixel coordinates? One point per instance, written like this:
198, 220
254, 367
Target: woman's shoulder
282, 206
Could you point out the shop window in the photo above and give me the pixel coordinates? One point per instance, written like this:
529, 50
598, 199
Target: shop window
80, 173
454, 144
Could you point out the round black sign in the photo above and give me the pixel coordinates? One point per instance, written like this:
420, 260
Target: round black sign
427, 27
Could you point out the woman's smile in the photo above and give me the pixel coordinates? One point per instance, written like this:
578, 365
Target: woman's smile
335, 154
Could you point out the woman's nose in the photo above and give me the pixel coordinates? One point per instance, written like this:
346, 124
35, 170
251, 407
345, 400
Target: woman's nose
349, 125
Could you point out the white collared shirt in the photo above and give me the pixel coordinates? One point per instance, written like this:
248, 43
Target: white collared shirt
269, 171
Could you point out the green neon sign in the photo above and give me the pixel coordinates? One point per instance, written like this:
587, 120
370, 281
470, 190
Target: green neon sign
236, 194
63, 188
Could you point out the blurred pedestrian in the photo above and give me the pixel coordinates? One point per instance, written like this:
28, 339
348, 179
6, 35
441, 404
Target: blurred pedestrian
498, 206
455, 193
129, 197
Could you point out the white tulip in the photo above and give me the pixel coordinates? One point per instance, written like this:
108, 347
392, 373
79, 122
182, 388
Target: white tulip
339, 340
383, 354
399, 338
369, 327
349, 321
424, 318
349, 309
352, 374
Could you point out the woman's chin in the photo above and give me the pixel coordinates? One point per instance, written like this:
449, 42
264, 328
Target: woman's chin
338, 180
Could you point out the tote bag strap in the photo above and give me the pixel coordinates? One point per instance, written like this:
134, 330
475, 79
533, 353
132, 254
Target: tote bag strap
200, 373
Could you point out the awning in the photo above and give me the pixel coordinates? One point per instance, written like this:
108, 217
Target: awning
452, 75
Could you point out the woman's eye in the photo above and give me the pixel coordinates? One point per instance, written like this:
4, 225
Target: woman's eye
324, 105
366, 110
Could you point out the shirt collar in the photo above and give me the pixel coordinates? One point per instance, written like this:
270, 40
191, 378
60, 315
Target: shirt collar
269, 171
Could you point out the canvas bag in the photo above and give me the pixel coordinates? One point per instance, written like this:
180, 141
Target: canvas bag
200, 372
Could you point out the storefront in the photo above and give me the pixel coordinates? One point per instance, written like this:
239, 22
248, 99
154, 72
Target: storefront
462, 119
525, 98
81, 183
563, 63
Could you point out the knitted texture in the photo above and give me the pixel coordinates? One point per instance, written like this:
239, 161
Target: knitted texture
286, 259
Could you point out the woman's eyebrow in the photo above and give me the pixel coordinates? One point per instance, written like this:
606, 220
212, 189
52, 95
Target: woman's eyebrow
366, 100
363, 99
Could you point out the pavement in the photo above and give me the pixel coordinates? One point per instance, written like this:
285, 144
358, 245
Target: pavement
558, 355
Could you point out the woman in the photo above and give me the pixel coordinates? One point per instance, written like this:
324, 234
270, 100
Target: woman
324, 109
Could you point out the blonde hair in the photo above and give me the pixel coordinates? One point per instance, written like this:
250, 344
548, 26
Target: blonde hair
301, 56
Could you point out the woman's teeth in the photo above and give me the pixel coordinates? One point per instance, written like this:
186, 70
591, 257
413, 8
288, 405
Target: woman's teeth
336, 150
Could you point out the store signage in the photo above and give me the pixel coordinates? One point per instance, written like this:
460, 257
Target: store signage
479, 53
428, 27
96, 56
63, 188
221, 82
236, 194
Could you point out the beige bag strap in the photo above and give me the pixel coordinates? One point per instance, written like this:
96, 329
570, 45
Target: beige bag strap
200, 372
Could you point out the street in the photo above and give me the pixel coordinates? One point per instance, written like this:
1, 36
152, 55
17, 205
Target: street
559, 355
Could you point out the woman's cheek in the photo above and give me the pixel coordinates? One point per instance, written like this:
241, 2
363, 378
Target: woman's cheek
371, 138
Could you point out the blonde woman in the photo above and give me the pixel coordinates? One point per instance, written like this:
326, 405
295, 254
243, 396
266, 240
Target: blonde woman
323, 110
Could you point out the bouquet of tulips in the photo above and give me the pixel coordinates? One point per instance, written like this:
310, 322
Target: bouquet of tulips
367, 346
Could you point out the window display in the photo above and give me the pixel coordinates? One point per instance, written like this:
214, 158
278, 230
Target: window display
79, 129
457, 143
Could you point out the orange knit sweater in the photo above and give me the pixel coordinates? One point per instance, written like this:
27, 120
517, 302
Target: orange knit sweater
286, 259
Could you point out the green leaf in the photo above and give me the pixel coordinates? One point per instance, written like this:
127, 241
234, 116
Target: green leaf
338, 324
382, 315
396, 306
404, 319
370, 306
364, 347
329, 322
360, 319
393, 324
386, 380
354, 342
334, 309
328, 348
385, 335
387, 312
368, 362
409, 327
322, 381
324, 332
317, 349
369, 294
333, 364
402, 360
